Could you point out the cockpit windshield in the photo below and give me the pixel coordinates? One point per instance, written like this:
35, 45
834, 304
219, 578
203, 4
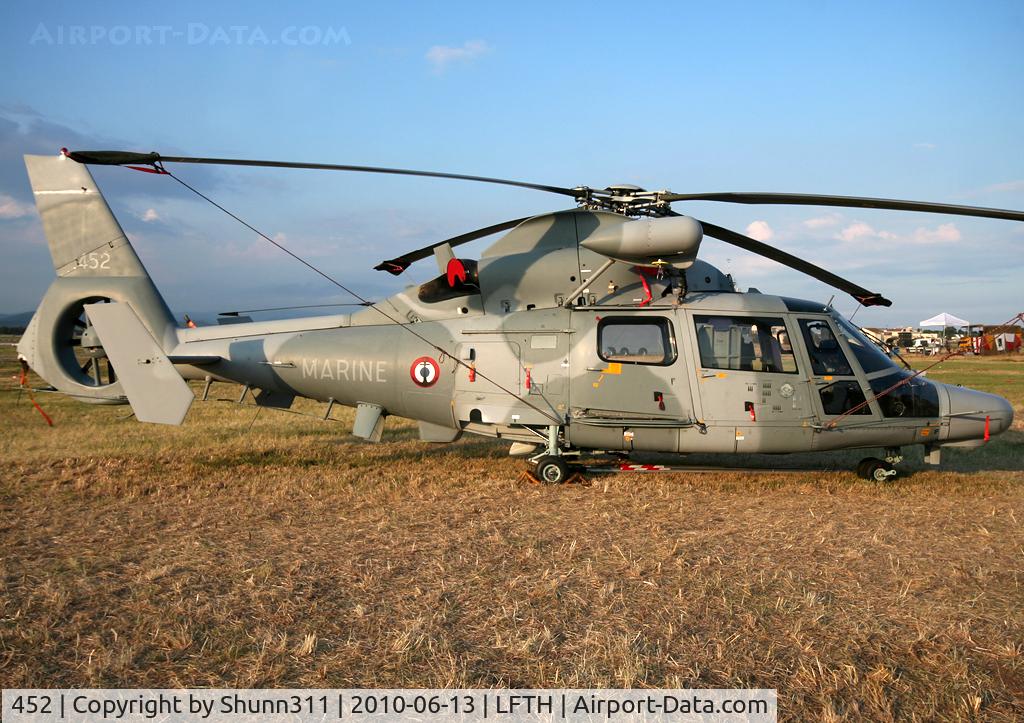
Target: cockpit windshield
870, 357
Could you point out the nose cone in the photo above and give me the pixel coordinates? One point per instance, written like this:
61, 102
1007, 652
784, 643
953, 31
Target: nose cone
968, 410
1004, 413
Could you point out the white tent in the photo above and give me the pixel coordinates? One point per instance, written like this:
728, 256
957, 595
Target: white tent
944, 320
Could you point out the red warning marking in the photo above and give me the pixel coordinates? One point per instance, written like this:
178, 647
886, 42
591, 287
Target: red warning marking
630, 467
456, 272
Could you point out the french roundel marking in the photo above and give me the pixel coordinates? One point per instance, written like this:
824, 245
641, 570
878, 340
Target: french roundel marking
425, 371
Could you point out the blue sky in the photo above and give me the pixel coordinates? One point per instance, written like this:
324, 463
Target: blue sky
921, 100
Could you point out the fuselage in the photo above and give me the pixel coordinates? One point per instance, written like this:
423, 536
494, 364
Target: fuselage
721, 372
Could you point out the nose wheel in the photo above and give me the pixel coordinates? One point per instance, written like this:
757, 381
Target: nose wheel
876, 470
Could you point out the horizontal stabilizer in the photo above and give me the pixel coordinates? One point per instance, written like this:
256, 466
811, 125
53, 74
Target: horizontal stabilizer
154, 388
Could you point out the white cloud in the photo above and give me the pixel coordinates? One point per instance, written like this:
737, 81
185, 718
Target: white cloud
760, 230
12, 208
861, 231
441, 56
756, 266
149, 215
866, 236
826, 221
925, 146
944, 233
1008, 187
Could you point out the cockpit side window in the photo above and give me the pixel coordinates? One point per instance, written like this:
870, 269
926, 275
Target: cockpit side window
842, 397
827, 357
915, 397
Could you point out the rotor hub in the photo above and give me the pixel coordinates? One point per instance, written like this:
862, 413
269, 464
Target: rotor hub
624, 199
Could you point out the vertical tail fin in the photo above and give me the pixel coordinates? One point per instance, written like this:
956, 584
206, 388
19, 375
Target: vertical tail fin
84, 237
94, 262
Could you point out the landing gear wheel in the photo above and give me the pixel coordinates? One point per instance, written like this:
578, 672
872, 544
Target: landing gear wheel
876, 470
551, 470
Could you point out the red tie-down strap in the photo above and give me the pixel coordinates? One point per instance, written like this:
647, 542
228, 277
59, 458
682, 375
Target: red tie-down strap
23, 381
643, 272
144, 169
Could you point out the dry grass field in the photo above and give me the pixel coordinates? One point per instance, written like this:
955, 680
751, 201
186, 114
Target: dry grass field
275, 550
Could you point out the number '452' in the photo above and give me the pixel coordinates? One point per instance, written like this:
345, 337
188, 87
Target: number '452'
95, 260
32, 704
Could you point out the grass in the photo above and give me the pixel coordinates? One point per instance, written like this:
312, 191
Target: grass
274, 550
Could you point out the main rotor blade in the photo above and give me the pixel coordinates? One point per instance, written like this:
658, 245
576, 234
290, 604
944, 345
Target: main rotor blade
810, 199
867, 298
120, 158
399, 264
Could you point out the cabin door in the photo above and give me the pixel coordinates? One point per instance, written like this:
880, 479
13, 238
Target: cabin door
626, 366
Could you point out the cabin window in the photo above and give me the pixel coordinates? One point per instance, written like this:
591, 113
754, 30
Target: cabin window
636, 340
745, 343
827, 357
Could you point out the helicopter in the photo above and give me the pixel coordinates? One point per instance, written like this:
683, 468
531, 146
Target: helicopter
586, 331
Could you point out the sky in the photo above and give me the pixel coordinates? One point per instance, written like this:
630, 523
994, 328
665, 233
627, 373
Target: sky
913, 100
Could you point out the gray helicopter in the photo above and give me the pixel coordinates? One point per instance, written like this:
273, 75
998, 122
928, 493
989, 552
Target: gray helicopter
584, 331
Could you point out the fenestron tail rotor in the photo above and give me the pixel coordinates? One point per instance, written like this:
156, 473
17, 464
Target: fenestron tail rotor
80, 349
623, 199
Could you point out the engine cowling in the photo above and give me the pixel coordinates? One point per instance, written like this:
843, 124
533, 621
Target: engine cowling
674, 240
